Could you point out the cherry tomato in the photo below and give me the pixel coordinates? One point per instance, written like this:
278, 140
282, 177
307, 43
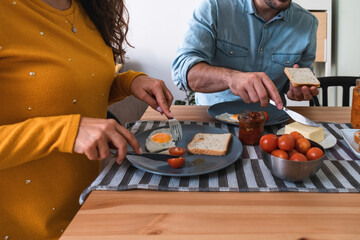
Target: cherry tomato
280, 154
314, 153
286, 142
176, 162
266, 115
292, 151
302, 145
268, 142
296, 135
298, 157
177, 151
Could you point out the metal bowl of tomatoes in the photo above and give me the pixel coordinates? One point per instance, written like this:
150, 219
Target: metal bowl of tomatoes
292, 167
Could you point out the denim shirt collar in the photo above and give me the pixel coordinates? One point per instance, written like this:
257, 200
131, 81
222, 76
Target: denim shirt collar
250, 9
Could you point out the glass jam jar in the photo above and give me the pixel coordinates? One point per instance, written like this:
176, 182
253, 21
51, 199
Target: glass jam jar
251, 127
355, 110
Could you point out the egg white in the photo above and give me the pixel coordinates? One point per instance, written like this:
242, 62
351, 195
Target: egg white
152, 146
227, 117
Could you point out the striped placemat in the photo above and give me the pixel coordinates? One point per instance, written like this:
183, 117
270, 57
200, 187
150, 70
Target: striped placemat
339, 173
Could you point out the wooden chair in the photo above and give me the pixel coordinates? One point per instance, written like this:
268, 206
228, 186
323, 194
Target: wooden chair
334, 81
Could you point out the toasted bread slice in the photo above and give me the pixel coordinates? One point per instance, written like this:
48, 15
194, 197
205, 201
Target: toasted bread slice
301, 77
209, 144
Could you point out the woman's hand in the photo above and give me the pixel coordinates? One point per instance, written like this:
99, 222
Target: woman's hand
302, 93
154, 92
95, 136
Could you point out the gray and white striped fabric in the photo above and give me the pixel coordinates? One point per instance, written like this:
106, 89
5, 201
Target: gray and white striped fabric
339, 173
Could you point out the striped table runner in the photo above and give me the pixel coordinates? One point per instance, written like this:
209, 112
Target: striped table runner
339, 173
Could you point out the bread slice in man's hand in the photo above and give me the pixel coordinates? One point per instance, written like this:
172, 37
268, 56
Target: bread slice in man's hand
301, 77
209, 144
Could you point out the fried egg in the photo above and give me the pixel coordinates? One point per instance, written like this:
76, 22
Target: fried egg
228, 117
160, 139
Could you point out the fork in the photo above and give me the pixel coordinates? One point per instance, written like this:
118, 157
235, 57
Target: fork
174, 125
175, 128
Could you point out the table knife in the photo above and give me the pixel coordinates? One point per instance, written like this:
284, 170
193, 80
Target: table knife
297, 116
152, 156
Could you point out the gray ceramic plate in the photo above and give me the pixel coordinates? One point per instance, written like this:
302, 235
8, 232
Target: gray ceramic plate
276, 116
194, 164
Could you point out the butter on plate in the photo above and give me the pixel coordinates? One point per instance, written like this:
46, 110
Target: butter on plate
313, 133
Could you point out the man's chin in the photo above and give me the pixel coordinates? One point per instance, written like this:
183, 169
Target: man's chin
279, 5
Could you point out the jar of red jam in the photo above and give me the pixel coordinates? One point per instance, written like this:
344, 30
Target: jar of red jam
355, 109
251, 127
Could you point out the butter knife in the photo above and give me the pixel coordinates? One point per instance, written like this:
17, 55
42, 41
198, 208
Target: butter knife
152, 156
297, 116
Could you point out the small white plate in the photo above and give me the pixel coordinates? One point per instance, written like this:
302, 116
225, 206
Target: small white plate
348, 135
328, 142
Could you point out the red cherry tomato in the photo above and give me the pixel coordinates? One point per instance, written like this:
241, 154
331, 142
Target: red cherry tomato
176, 162
314, 153
177, 151
286, 142
280, 154
302, 145
266, 115
268, 142
298, 157
296, 135
292, 151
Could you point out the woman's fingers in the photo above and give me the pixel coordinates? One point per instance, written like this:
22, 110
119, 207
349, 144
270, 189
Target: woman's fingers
153, 92
96, 135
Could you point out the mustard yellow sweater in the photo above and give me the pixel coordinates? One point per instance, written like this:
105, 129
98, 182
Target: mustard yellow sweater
49, 77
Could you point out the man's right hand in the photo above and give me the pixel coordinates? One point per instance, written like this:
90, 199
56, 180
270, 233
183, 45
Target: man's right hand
95, 136
250, 86
255, 87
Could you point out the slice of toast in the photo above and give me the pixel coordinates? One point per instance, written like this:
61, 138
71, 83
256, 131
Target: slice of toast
209, 144
301, 77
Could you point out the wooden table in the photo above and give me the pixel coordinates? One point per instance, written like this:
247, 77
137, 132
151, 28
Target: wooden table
141, 214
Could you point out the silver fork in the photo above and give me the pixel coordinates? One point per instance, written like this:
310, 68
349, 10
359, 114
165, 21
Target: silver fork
176, 129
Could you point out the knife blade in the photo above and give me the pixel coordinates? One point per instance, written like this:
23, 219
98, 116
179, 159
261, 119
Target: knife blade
152, 156
297, 116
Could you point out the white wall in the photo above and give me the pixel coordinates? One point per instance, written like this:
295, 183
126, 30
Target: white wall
157, 28
347, 37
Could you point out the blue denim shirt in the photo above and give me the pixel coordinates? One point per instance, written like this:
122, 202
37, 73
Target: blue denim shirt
231, 34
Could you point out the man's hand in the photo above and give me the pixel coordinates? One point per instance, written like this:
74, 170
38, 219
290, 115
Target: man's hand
95, 136
154, 92
303, 93
255, 87
250, 86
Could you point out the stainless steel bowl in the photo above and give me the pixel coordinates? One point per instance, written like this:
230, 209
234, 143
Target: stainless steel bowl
291, 170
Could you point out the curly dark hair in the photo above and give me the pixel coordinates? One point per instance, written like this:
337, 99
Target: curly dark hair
111, 18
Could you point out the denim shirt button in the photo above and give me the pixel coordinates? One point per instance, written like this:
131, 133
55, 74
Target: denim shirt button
231, 52
287, 61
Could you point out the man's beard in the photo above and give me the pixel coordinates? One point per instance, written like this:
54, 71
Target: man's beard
273, 5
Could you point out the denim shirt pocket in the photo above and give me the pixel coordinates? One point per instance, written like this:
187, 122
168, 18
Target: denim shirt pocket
287, 60
230, 55
280, 61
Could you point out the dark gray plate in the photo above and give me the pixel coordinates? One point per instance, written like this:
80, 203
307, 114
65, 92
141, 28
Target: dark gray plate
276, 116
194, 164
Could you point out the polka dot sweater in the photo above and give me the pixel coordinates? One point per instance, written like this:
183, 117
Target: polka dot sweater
50, 76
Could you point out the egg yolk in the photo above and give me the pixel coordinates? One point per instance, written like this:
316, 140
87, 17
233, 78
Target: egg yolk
161, 138
235, 116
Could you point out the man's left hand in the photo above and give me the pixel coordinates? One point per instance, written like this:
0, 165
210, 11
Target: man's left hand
303, 93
